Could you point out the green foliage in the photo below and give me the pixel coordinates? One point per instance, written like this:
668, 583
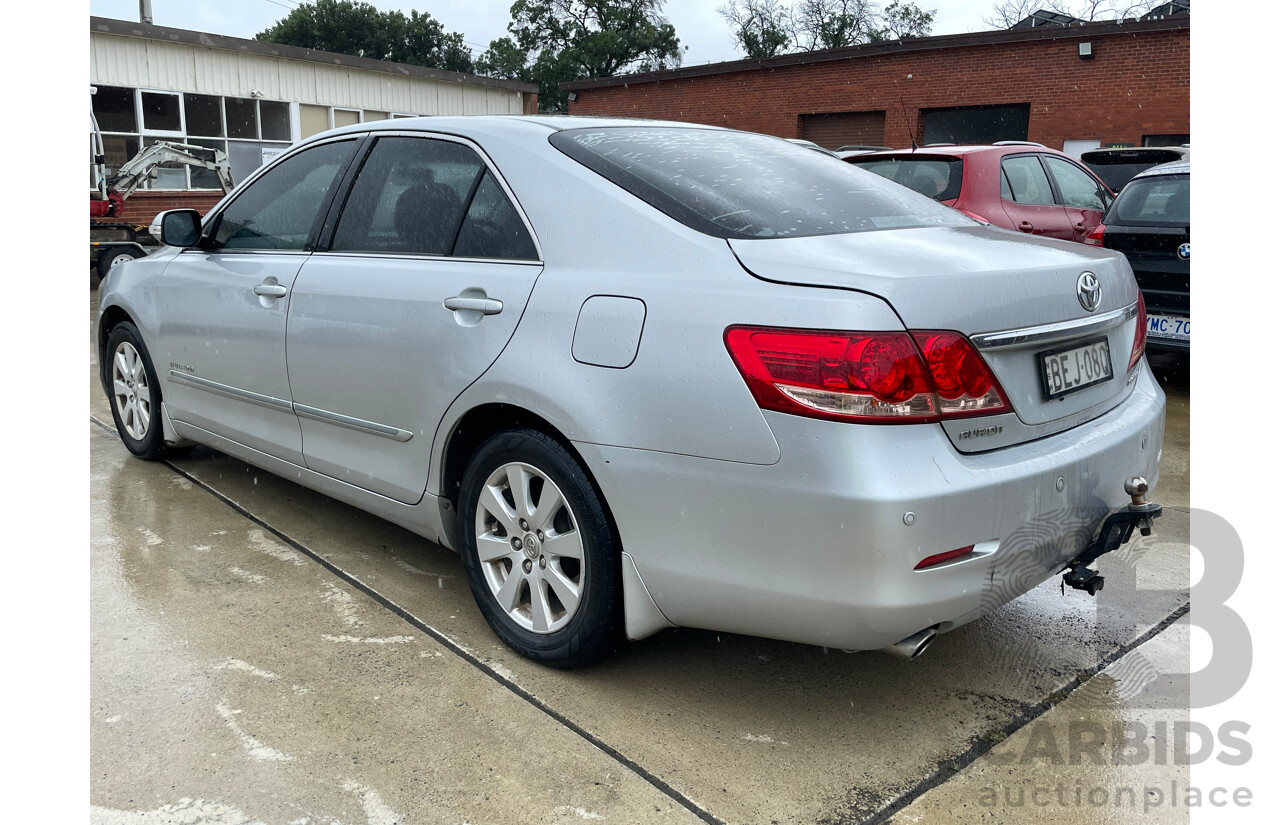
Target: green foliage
355, 28
766, 28
553, 41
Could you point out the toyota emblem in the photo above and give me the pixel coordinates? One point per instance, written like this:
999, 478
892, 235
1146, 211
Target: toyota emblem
1089, 291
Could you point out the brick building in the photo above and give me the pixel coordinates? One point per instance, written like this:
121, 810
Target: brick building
1069, 87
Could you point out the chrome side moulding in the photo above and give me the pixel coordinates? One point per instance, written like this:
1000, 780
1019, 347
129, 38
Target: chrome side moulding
230, 392
371, 427
1048, 333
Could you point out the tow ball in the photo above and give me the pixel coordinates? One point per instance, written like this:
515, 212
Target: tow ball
1116, 530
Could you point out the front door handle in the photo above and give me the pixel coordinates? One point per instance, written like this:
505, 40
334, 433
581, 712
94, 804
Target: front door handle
270, 290
488, 306
1026, 226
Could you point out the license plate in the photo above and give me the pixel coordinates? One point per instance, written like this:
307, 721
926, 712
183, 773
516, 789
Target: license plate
1073, 368
1169, 327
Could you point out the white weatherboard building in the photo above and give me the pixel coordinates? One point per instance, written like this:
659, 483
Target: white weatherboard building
253, 99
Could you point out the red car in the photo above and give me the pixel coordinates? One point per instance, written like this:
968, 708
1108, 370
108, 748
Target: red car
1022, 186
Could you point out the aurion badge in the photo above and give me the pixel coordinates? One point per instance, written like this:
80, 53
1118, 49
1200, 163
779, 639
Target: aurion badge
1089, 291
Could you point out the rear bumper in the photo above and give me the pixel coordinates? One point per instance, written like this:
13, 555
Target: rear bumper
819, 547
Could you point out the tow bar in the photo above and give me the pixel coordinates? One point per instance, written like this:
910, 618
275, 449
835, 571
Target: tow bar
1116, 530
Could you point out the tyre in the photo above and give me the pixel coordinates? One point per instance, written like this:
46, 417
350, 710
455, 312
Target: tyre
134, 392
114, 257
540, 555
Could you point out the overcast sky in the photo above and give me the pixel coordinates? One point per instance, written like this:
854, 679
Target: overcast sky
698, 26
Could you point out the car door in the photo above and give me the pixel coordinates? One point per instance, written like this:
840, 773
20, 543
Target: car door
1027, 198
427, 271
223, 304
1083, 196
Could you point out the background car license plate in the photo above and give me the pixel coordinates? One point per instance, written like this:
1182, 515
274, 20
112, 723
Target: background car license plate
1171, 327
1074, 368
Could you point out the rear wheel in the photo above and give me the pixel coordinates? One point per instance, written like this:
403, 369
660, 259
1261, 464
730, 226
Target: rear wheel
538, 549
134, 392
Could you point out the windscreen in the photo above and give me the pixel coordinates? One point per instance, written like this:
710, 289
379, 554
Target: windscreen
1118, 168
1154, 201
935, 177
742, 185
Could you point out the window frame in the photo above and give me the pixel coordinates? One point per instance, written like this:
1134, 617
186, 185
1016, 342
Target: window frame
1044, 169
1103, 190
213, 219
343, 190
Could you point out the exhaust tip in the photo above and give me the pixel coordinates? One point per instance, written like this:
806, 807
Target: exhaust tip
911, 647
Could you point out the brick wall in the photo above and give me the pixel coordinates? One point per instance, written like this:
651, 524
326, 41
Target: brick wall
1138, 83
141, 207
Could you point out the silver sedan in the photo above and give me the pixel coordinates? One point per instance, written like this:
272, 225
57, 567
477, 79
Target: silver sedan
644, 374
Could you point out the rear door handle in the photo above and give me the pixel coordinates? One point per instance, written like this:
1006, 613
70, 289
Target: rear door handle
1081, 228
1026, 226
488, 306
270, 290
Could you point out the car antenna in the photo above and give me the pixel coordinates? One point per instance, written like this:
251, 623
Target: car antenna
910, 131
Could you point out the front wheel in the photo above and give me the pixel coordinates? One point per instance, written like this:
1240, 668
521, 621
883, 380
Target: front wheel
134, 392
114, 257
538, 549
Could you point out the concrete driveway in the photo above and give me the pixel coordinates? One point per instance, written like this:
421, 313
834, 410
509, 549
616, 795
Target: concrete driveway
261, 653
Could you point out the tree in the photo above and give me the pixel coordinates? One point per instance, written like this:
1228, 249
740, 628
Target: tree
1004, 15
356, 28
765, 28
761, 27
832, 24
558, 40
903, 20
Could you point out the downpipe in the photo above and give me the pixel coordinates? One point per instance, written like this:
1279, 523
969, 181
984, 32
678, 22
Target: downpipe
911, 647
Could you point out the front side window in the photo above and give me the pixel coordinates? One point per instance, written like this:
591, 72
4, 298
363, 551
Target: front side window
419, 196
741, 185
1077, 187
279, 209
1027, 181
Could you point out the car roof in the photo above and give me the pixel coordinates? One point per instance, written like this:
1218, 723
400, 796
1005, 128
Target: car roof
1174, 167
961, 149
500, 123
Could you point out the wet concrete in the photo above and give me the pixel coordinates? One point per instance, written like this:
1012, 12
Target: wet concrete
731, 728
1105, 754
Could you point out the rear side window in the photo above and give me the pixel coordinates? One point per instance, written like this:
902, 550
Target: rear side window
938, 178
741, 185
1154, 201
1027, 181
1077, 186
422, 196
279, 209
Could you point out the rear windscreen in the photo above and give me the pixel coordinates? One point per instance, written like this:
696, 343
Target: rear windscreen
1118, 168
938, 178
1154, 201
742, 185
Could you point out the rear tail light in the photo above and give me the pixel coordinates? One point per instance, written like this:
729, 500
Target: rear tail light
876, 377
1140, 334
935, 560
1094, 238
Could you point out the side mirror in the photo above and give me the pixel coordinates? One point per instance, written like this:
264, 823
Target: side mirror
177, 227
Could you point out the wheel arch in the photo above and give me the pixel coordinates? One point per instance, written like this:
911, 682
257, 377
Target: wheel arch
111, 317
642, 617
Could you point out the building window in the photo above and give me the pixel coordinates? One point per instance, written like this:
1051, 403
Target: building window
260, 130
1165, 140
976, 124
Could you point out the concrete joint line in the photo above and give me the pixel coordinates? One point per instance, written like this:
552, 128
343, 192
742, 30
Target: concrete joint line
442, 639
